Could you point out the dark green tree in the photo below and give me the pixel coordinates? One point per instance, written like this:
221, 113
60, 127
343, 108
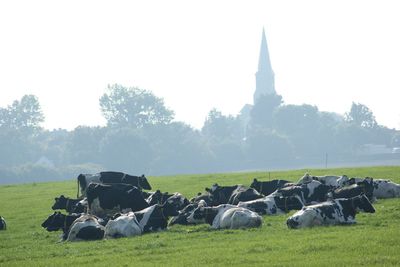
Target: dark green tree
361, 115
133, 107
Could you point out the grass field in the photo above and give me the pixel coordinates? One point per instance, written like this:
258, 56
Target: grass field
374, 240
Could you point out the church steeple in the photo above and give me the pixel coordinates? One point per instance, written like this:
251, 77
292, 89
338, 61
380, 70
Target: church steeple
265, 81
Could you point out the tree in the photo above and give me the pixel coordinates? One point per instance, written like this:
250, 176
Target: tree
24, 116
122, 107
262, 111
220, 127
361, 115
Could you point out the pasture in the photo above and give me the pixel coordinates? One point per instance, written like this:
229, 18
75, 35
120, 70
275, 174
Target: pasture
374, 240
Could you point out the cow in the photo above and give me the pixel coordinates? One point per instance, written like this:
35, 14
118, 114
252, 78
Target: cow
365, 186
309, 193
3, 224
86, 227
206, 197
181, 218
110, 177
267, 187
104, 200
273, 205
337, 211
153, 218
69, 204
232, 194
226, 216
160, 198
383, 188
58, 221
329, 180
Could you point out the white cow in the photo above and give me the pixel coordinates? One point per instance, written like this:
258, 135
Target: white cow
123, 226
226, 216
86, 227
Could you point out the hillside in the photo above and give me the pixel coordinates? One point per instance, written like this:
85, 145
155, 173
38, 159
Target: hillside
374, 240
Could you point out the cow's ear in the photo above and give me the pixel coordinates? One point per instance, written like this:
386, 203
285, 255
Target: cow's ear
142, 176
199, 193
208, 189
255, 180
56, 198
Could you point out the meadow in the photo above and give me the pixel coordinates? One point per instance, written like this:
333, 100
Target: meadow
374, 240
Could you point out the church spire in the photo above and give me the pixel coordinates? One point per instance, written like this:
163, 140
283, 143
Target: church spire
265, 81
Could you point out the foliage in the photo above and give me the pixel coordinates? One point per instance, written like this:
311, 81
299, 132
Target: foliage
373, 241
133, 107
361, 115
262, 111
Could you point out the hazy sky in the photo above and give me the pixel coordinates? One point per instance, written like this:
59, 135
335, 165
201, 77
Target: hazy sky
199, 54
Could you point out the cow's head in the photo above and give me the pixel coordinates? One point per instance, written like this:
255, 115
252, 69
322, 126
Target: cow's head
256, 185
182, 217
198, 214
305, 179
178, 200
368, 187
54, 222
60, 203
362, 203
169, 209
144, 183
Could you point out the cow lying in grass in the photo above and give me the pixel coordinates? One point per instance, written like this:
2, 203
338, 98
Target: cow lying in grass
337, 211
383, 188
272, 205
161, 198
69, 204
153, 218
329, 180
86, 227
3, 225
58, 221
225, 216
181, 218
267, 187
232, 194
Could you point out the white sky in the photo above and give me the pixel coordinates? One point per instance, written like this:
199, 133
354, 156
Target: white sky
199, 54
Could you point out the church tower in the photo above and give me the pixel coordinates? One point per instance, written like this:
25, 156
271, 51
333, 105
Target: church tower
265, 80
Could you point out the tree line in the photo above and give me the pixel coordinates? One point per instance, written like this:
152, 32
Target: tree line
141, 136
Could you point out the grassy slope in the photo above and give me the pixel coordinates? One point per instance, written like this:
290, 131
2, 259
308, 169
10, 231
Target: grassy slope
375, 240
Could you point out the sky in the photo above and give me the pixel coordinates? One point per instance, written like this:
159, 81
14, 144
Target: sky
199, 55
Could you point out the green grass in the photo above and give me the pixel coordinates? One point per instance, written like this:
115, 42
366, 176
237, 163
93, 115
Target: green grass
374, 240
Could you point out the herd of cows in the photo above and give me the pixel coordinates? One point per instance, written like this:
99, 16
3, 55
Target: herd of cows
115, 204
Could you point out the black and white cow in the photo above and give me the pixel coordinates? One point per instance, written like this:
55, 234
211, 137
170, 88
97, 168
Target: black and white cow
86, 227
309, 193
272, 205
330, 180
69, 204
225, 216
206, 197
337, 211
111, 177
267, 187
153, 218
181, 218
232, 194
105, 200
58, 221
365, 186
160, 198
3, 224
383, 188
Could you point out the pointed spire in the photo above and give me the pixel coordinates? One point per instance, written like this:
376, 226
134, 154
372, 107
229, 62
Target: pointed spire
265, 81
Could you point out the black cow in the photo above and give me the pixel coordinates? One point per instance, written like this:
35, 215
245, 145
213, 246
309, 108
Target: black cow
111, 177
206, 197
69, 204
3, 225
267, 187
108, 199
309, 193
58, 221
232, 194
337, 211
365, 186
